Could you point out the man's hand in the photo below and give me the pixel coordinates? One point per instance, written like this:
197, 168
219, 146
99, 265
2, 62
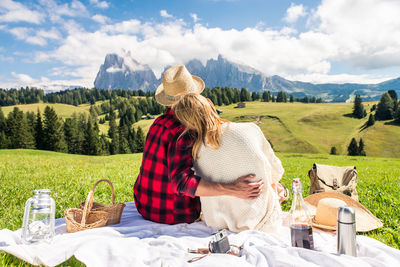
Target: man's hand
244, 188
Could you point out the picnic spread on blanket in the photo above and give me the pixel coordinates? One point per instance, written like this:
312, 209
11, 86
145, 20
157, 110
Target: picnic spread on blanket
319, 230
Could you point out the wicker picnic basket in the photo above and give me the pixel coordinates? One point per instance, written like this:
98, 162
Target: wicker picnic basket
84, 219
114, 210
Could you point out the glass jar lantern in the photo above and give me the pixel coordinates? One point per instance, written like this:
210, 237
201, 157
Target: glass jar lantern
39, 217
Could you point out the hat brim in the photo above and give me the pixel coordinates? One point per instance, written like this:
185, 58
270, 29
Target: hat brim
365, 220
322, 226
162, 99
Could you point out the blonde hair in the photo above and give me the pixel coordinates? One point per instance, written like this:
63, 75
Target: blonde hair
199, 116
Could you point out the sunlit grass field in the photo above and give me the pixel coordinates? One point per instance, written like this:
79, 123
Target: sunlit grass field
70, 178
62, 110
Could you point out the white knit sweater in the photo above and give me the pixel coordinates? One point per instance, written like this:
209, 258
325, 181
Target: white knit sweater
244, 150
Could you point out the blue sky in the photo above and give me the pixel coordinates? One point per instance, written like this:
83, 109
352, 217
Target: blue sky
55, 44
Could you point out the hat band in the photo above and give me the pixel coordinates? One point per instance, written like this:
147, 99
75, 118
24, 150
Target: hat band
193, 89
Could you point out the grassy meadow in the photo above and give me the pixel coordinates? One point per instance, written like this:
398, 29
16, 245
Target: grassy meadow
62, 110
315, 128
70, 178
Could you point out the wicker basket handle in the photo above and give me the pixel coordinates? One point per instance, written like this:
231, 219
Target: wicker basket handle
111, 186
87, 208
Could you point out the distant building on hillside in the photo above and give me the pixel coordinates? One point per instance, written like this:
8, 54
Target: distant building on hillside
241, 105
147, 117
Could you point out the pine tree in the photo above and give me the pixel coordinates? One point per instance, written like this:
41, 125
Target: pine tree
361, 151
371, 120
291, 98
397, 115
265, 96
52, 131
91, 144
113, 134
71, 134
333, 151
281, 97
244, 95
124, 147
353, 148
358, 108
131, 139
237, 96
384, 110
140, 140
253, 96
39, 131
18, 130
4, 141
2, 121
393, 95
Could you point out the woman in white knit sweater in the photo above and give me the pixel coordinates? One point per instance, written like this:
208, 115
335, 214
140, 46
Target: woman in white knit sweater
222, 152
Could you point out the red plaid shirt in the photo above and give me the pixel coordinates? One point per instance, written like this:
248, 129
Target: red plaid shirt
165, 188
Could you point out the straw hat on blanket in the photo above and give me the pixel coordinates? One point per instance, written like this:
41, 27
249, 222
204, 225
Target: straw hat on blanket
324, 208
176, 82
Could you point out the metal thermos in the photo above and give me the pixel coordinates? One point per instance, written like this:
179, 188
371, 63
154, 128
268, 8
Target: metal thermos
346, 231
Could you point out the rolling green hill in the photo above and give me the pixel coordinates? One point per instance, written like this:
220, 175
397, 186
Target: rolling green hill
292, 127
315, 128
70, 178
63, 110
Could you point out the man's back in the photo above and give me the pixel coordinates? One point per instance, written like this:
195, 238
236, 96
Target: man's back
165, 187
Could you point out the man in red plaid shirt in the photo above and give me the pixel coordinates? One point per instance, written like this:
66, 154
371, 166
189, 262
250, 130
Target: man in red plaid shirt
166, 189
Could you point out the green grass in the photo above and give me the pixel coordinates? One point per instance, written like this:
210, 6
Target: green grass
70, 178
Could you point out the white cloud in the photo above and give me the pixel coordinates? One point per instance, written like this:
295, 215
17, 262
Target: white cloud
340, 78
24, 78
53, 34
363, 34
366, 33
20, 33
294, 12
55, 12
11, 11
100, 4
100, 19
38, 38
164, 14
6, 58
194, 17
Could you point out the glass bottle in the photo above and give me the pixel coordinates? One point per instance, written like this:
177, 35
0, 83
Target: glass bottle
39, 217
300, 219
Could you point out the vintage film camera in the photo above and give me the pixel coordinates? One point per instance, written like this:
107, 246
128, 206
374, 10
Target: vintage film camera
219, 242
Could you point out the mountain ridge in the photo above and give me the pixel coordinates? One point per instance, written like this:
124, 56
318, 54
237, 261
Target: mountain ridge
126, 73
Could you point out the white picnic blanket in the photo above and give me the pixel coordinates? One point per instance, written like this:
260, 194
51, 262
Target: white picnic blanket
138, 242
